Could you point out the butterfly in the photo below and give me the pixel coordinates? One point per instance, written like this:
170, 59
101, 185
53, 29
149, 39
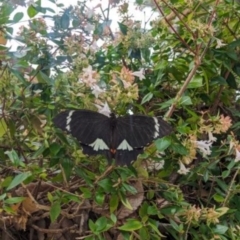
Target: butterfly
120, 138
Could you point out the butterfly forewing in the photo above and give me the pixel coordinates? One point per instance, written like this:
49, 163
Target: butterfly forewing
85, 125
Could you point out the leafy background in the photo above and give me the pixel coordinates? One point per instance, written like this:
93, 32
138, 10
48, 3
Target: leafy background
183, 64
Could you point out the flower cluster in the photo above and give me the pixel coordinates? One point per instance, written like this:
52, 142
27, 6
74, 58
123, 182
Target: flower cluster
123, 85
217, 125
211, 215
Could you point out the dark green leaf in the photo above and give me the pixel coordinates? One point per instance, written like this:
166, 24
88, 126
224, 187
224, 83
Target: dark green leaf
123, 28
220, 229
17, 17
65, 21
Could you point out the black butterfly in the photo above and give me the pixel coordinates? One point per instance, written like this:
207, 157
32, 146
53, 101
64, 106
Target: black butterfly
119, 138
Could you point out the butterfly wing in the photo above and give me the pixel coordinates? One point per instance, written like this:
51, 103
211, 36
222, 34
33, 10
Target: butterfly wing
91, 129
134, 132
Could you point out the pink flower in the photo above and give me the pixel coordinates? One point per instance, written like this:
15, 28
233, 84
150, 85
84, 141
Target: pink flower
89, 77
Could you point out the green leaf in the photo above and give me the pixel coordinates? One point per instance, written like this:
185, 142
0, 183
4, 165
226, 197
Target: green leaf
3, 127
3, 196
65, 21
131, 225
50, 197
99, 198
123, 28
54, 148
114, 201
101, 224
86, 192
91, 225
17, 17
220, 229
162, 144
179, 148
106, 184
152, 210
143, 233
32, 12
226, 173
143, 210
113, 218
42, 77
153, 225
129, 188
218, 198
196, 82
14, 200
6, 182
55, 211
231, 81
67, 165
219, 80
147, 98
124, 201
185, 101
19, 179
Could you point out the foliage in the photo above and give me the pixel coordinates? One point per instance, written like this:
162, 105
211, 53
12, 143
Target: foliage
184, 62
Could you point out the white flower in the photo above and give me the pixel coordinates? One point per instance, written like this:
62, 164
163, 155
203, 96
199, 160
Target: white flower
89, 13
220, 43
237, 158
153, 165
37, 91
183, 170
96, 90
105, 110
139, 74
204, 147
211, 137
89, 27
231, 145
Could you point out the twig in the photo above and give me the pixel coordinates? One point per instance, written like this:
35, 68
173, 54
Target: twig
230, 187
54, 231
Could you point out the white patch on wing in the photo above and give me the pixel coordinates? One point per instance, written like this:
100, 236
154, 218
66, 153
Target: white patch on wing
69, 118
124, 145
156, 126
99, 144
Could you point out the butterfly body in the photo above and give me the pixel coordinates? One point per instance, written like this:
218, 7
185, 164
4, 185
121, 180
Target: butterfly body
120, 138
